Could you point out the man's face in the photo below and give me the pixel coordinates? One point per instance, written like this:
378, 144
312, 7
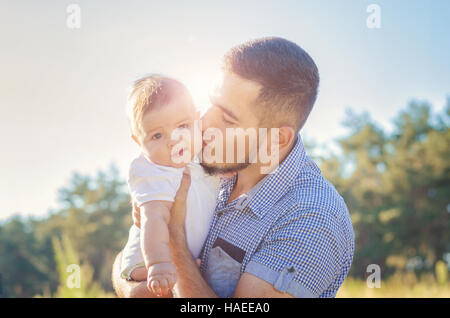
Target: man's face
232, 106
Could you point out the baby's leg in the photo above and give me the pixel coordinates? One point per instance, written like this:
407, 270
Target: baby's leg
132, 254
139, 274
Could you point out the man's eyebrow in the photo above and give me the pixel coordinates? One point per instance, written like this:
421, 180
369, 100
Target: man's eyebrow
228, 112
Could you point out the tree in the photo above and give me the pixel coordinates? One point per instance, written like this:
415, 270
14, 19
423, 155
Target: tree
397, 189
21, 268
75, 279
94, 214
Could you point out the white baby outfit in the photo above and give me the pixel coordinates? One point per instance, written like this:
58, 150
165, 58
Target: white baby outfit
149, 182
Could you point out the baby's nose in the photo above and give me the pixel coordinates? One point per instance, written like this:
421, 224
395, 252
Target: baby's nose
172, 142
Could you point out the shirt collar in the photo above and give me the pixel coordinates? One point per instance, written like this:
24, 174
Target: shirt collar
269, 189
279, 181
225, 188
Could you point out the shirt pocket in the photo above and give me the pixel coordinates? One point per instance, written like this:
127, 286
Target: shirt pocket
224, 267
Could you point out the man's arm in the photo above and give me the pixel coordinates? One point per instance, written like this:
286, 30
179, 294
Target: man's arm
190, 283
250, 286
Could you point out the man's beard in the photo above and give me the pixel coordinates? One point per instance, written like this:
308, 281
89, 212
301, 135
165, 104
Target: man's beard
215, 170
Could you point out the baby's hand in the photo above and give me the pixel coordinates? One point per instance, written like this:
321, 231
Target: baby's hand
161, 278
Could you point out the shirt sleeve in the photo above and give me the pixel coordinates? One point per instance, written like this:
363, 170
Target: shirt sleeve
300, 255
149, 183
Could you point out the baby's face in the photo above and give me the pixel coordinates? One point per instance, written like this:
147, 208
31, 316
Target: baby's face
160, 126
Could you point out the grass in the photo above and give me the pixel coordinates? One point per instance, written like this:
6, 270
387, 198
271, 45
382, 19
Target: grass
398, 286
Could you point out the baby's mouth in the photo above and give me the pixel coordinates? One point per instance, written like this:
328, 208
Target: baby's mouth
178, 153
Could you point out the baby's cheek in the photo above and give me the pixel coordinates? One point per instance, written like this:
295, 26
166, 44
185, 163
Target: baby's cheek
155, 152
149, 149
164, 155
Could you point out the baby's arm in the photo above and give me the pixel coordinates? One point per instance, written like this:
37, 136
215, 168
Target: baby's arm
155, 217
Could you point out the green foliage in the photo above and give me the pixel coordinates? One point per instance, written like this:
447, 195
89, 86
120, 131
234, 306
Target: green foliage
75, 279
396, 286
398, 189
94, 214
21, 268
441, 271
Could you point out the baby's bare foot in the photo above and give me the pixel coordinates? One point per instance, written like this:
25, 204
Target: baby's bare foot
139, 274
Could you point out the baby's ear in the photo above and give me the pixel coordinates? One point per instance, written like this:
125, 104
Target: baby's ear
136, 139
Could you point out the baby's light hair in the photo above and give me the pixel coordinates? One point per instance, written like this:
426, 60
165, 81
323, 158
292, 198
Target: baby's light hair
147, 93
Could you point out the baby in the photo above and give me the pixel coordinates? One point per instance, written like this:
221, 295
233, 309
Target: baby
161, 112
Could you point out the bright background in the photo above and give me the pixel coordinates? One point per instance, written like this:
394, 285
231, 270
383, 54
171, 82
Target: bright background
62, 91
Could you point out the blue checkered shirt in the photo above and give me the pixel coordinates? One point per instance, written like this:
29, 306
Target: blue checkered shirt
292, 230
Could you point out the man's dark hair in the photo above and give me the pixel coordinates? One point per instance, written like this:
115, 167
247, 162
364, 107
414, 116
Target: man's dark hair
288, 76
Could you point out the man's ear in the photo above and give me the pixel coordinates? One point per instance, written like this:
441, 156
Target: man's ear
286, 135
136, 139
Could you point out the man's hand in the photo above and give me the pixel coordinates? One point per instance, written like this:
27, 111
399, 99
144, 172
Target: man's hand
178, 211
136, 215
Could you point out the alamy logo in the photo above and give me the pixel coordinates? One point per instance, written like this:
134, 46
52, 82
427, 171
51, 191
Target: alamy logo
74, 18
374, 279
374, 19
74, 279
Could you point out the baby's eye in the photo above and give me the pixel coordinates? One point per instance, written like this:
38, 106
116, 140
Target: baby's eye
183, 126
156, 136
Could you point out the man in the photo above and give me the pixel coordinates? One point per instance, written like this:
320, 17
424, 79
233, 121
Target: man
283, 234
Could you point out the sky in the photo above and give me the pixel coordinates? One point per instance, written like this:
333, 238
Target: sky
63, 90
